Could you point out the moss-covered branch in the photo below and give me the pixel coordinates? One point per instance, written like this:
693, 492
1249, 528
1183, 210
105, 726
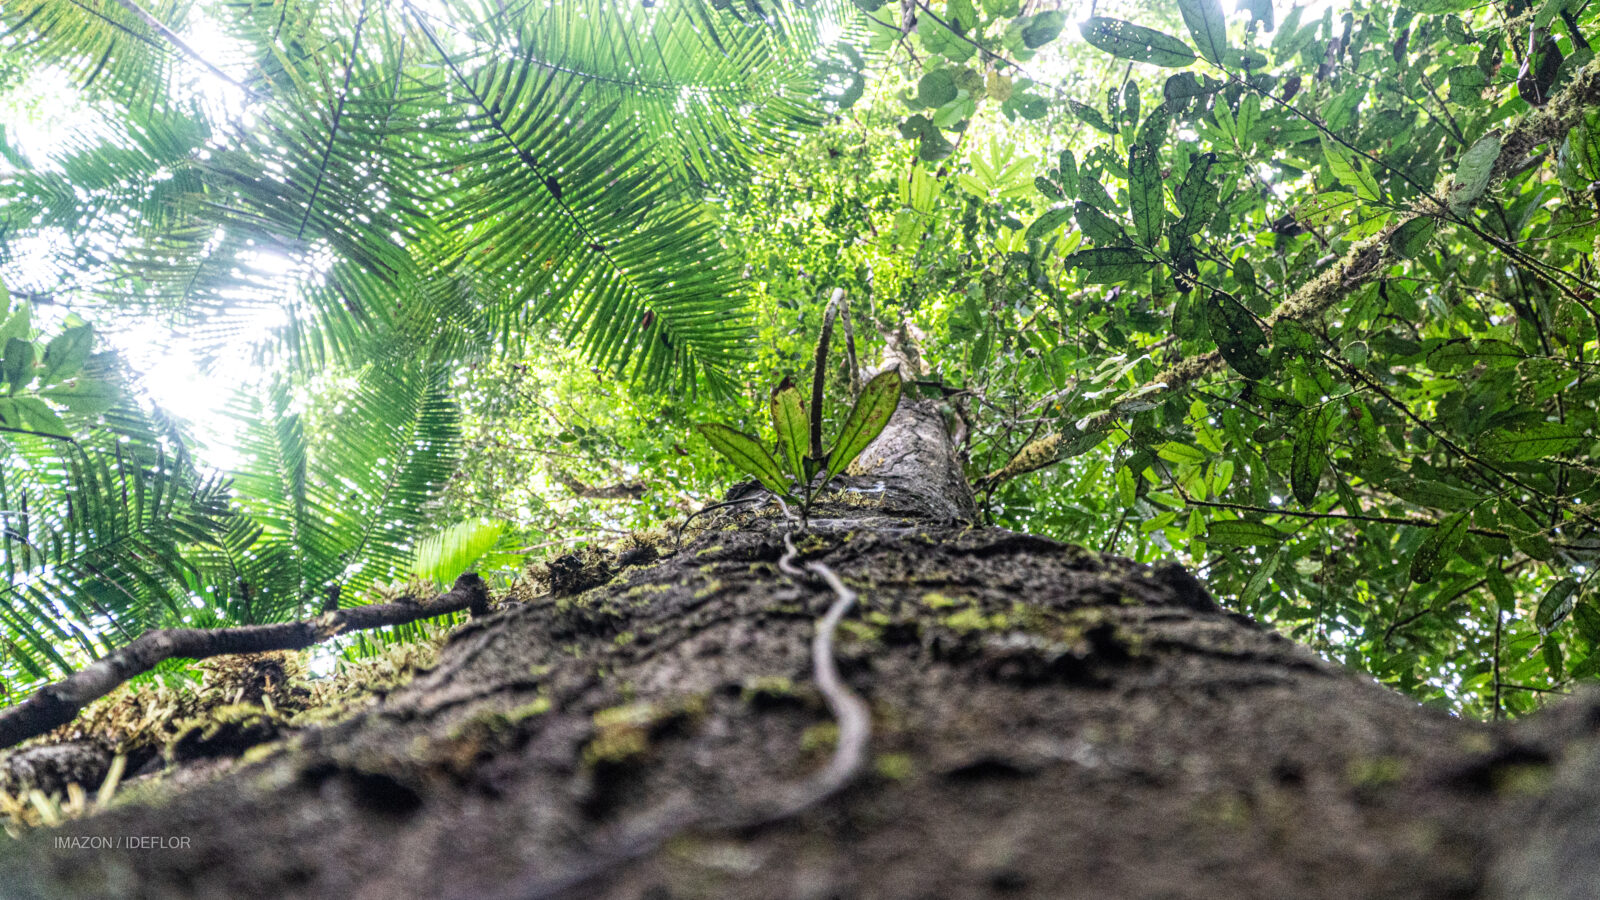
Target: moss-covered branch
1520, 146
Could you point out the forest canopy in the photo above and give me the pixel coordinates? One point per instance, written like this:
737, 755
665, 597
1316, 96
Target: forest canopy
309, 301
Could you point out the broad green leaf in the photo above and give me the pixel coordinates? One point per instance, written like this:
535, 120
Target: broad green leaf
1529, 442
1431, 494
1243, 533
1109, 265
1472, 172
936, 88
1555, 605
1239, 337
1144, 194
1440, 7
1438, 549
1097, 226
1458, 354
1310, 455
38, 416
84, 397
16, 364
67, 352
1411, 238
878, 401
1504, 597
1326, 208
1136, 42
1208, 26
1197, 198
1349, 172
1183, 454
746, 454
1586, 618
1043, 28
792, 427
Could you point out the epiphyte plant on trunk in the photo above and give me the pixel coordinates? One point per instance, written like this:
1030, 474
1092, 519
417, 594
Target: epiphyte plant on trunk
792, 473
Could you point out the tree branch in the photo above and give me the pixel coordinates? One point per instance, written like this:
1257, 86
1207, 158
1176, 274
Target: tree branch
1366, 258
57, 704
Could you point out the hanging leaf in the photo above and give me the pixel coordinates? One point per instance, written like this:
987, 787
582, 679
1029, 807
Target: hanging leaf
746, 454
1136, 42
1555, 605
1459, 354
878, 401
1526, 534
1438, 548
1144, 194
1473, 171
16, 364
936, 88
1048, 221
792, 427
1239, 337
1043, 28
1310, 454
1208, 26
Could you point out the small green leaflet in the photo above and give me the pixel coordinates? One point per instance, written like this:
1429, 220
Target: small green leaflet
1208, 27
1109, 265
1184, 85
793, 429
1473, 171
1529, 442
1411, 238
1144, 194
866, 421
747, 454
1439, 548
1136, 42
1242, 533
1090, 116
1238, 336
1555, 605
1049, 222
1043, 28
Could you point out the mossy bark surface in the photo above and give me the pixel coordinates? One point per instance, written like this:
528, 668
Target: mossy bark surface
1047, 723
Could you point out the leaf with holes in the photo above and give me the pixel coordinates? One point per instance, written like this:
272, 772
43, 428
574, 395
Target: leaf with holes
1136, 42
1555, 605
1208, 26
1238, 335
1530, 442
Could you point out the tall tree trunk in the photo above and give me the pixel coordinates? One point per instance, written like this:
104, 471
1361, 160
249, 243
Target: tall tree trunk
1045, 722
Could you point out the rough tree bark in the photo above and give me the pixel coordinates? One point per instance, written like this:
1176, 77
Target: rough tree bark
1046, 722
